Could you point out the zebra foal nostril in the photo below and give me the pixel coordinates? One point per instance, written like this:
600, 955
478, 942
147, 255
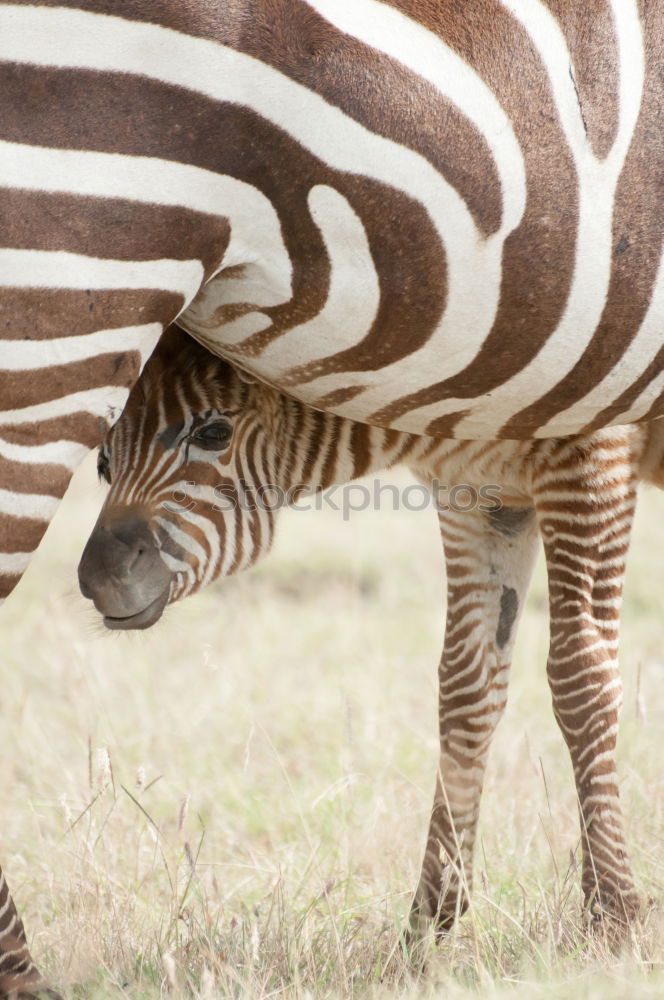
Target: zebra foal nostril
133, 559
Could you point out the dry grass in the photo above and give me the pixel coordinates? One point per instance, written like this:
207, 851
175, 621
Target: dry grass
235, 803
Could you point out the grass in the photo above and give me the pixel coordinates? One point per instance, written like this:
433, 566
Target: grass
235, 803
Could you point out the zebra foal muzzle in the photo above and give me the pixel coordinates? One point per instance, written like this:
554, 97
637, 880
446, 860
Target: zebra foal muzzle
122, 572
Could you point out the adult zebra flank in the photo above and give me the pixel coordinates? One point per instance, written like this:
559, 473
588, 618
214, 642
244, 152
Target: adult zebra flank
439, 218
201, 461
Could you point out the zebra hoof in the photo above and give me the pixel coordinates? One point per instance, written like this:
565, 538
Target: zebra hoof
612, 918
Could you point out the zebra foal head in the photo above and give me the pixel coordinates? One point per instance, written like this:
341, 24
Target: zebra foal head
190, 465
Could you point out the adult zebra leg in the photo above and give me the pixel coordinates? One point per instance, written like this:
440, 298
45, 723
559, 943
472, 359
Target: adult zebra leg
586, 538
489, 559
19, 976
53, 409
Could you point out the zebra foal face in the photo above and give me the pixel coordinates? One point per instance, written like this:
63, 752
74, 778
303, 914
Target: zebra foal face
184, 461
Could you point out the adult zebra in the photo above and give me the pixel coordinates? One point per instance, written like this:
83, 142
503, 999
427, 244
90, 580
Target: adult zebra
440, 218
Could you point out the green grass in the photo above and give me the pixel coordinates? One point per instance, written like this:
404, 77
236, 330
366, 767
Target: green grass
235, 803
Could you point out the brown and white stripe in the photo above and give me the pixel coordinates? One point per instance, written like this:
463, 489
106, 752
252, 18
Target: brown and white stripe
19, 977
440, 219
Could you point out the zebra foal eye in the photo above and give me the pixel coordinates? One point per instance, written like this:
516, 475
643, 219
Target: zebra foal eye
213, 437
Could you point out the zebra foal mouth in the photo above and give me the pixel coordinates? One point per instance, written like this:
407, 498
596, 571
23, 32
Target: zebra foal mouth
142, 619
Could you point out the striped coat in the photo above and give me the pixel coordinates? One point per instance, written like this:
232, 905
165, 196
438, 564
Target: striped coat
431, 216
435, 217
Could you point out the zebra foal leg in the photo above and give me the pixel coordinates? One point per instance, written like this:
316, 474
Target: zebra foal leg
586, 530
489, 559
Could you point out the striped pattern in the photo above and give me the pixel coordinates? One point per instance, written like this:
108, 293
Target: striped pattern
471, 256
18, 975
583, 494
439, 218
577, 494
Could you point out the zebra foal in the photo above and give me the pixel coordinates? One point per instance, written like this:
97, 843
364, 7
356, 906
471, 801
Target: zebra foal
197, 443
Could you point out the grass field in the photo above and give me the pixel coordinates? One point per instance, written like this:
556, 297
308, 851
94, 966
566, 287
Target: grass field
235, 803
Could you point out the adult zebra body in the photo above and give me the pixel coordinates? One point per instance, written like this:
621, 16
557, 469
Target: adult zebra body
439, 218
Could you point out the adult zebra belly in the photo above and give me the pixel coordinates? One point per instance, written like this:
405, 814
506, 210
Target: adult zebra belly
496, 268
600, 362
440, 217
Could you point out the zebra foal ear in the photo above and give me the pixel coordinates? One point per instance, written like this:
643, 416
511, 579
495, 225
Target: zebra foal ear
246, 377
105, 423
